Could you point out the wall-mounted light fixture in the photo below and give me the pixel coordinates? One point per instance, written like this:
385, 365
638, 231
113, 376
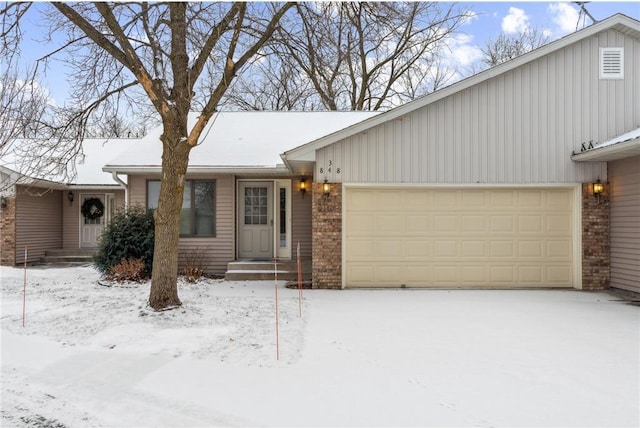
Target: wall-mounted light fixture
326, 188
3, 202
302, 186
598, 189
70, 196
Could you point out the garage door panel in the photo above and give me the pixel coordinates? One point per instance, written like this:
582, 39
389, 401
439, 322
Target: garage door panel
559, 200
445, 248
501, 249
474, 224
390, 200
531, 249
473, 200
474, 248
532, 199
445, 223
501, 223
419, 249
558, 224
530, 224
418, 224
361, 223
390, 224
460, 237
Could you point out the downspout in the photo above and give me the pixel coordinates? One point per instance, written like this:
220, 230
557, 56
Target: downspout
118, 180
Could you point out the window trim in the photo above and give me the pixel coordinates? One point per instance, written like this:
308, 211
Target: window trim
193, 211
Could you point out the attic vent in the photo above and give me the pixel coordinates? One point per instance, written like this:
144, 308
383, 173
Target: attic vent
611, 63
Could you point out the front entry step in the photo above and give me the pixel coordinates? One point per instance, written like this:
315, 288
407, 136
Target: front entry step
256, 270
60, 258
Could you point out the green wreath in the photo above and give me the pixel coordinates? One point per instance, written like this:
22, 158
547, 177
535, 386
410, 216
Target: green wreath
92, 208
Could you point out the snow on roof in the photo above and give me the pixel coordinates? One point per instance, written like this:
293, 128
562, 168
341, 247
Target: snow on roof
88, 165
619, 139
243, 139
619, 147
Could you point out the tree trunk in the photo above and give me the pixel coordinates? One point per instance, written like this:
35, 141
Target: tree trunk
175, 158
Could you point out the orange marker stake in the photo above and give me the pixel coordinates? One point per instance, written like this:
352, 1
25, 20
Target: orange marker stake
277, 326
24, 287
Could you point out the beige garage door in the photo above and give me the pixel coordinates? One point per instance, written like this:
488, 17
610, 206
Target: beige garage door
505, 238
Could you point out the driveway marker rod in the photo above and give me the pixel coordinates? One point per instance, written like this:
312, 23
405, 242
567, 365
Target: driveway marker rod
24, 287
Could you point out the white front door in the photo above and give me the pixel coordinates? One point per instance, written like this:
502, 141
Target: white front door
255, 220
91, 229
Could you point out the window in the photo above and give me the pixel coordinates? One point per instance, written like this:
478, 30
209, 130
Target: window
611, 63
198, 206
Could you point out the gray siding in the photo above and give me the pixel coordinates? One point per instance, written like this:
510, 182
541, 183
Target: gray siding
301, 222
624, 177
38, 222
70, 222
216, 252
518, 127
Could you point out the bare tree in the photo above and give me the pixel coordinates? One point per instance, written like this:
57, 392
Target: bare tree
358, 55
159, 53
506, 47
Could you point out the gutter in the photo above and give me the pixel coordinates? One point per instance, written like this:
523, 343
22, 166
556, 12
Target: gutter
118, 180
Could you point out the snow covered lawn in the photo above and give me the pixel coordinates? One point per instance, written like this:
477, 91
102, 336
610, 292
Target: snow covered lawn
91, 355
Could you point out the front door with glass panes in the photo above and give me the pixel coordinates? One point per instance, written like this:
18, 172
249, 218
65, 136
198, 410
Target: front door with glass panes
93, 222
255, 220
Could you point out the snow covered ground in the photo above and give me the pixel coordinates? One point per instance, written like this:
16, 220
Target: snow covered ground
91, 355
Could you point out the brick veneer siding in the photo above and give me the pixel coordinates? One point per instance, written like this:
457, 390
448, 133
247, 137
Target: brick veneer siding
326, 271
8, 233
595, 240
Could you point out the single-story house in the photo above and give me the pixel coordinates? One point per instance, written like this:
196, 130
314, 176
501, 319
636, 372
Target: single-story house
40, 210
524, 175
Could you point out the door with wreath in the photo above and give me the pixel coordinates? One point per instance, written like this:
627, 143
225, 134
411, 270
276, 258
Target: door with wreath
92, 219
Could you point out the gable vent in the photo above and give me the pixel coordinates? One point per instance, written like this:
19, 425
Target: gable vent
611, 63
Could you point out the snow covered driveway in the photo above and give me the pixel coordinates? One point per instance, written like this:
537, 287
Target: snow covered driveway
97, 356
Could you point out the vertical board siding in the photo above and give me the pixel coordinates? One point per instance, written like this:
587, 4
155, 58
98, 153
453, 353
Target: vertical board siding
301, 221
624, 176
38, 222
213, 253
70, 221
518, 127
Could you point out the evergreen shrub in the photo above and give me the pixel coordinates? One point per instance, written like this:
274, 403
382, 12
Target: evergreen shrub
129, 235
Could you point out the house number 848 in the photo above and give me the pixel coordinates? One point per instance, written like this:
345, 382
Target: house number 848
322, 169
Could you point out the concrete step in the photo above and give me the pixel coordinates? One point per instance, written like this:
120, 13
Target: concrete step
253, 270
66, 259
73, 257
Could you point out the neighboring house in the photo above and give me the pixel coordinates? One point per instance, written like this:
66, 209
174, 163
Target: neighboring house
44, 214
486, 183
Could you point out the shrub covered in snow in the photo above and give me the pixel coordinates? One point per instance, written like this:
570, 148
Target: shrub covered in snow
129, 235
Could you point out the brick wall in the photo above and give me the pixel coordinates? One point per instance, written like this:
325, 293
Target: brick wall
8, 233
595, 240
326, 271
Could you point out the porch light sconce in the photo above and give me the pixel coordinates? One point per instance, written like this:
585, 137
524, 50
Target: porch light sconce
70, 196
3, 202
598, 188
302, 186
326, 188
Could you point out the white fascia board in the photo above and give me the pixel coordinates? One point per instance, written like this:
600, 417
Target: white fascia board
303, 152
280, 169
610, 152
